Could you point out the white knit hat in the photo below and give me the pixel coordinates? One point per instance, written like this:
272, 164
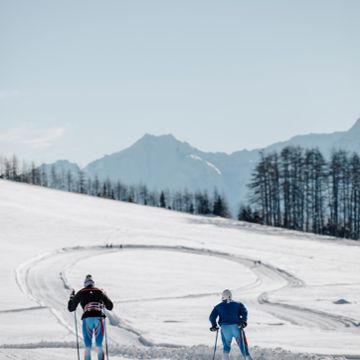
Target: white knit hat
89, 281
226, 295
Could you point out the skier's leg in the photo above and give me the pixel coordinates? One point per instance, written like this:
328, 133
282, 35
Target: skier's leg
87, 334
99, 336
226, 356
87, 353
226, 337
240, 341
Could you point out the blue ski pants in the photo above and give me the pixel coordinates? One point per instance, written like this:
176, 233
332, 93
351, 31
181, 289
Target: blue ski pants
228, 332
93, 326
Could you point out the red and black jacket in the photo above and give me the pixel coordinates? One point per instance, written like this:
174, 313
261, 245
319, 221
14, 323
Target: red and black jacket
92, 300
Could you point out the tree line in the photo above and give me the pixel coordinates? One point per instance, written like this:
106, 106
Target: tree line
301, 190
199, 202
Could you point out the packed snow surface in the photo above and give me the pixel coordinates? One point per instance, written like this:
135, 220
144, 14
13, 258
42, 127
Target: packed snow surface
164, 271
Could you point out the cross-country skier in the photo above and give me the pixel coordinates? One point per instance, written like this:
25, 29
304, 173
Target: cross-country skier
92, 300
232, 319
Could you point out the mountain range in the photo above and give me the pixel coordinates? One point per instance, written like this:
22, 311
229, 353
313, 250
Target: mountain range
163, 162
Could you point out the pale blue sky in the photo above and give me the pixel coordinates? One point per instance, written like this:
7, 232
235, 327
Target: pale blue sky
80, 79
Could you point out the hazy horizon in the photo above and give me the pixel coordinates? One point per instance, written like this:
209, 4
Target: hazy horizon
24, 158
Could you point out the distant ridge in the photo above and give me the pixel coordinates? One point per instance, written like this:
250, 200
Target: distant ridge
164, 162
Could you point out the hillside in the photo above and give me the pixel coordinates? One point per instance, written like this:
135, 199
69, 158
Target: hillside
172, 267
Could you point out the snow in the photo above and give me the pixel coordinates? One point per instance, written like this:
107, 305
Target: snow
139, 294
165, 270
198, 158
213, 166
195, 157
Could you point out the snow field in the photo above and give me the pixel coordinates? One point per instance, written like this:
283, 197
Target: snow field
289, 281
167, 301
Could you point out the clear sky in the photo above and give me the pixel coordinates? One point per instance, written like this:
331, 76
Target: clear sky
80, 79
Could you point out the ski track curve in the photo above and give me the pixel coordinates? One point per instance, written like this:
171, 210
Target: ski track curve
45, 290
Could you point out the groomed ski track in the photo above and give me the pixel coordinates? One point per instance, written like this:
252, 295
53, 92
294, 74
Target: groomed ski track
43, 280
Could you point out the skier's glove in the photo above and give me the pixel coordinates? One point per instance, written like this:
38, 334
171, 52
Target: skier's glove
214, 328
72, 294
243, 325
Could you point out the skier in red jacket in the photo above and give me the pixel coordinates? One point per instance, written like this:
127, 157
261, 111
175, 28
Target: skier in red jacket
93, 301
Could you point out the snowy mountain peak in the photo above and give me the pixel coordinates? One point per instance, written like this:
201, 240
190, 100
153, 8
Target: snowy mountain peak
161, 162
151, 139
148, 136
166, 143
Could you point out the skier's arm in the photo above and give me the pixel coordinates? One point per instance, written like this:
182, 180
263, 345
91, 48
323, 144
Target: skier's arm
243, 313
213, 316
74, 301
107, 302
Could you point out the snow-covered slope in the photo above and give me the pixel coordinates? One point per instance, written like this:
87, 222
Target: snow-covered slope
165, 270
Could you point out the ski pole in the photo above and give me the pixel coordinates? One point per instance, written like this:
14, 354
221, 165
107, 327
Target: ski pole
106, 341
216, 339
245, 344
77, 336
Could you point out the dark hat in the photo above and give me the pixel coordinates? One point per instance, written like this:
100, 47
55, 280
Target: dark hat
89, 281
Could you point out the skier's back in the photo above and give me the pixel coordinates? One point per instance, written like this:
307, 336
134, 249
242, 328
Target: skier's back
93, 301
232, 317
